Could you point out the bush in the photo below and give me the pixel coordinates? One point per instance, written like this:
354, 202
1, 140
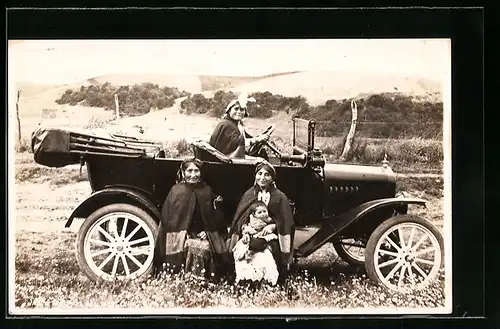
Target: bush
133, 100
177, 149
374, 153
266, 105
182, 147
358, 151
379, 116
386, 115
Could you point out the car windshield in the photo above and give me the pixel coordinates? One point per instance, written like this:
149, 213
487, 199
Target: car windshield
301, 133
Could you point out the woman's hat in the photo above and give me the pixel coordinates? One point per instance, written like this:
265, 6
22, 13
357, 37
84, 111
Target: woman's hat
267, 166
242, 101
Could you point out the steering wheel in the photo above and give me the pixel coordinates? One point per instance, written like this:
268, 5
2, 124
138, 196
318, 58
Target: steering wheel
256, 148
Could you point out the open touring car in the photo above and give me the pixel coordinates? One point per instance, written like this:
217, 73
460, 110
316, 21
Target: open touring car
353, 206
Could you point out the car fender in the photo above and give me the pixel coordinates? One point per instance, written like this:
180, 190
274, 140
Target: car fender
114, 194
335, 225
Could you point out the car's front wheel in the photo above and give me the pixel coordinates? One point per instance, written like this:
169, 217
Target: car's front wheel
404, 253
116, 242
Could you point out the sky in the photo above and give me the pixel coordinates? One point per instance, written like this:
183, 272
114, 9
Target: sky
72, 61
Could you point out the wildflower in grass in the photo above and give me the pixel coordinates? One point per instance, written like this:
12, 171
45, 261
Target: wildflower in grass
39, 288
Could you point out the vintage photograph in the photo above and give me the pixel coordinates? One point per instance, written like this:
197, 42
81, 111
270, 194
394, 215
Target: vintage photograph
297, 176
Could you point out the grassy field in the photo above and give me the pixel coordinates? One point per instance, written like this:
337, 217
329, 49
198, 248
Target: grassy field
47, 276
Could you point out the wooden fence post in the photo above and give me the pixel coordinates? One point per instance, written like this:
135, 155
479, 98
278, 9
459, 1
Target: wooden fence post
18, 119
117, 107
352, 131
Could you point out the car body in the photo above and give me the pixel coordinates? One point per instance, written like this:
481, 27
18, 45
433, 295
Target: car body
338, 203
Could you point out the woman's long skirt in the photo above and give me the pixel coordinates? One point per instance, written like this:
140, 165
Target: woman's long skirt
199, 258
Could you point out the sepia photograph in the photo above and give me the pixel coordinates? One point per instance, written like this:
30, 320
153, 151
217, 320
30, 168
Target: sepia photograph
229, 176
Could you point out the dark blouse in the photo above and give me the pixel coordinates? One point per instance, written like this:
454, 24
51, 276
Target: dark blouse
227, 138
196, 225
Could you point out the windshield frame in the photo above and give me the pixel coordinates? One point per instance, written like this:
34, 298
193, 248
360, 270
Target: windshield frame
306, 146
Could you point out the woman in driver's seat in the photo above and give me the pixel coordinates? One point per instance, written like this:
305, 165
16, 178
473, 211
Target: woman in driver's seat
229, 136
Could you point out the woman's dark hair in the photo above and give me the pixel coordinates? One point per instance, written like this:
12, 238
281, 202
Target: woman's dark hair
256, 205
268, 167
185, 164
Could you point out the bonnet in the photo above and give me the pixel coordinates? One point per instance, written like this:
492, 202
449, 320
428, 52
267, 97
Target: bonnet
242, 100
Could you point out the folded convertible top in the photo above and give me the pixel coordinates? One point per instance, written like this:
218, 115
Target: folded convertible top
55, 147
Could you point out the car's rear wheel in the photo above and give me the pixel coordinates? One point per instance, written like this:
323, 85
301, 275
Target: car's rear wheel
116, 242
352, 251
404, 253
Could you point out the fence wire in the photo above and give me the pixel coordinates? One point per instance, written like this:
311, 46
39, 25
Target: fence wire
386, 130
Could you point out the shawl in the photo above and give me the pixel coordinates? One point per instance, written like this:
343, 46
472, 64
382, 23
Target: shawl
279, 209
228, 139
176, 216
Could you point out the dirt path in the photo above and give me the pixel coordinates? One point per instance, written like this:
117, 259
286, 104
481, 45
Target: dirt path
45, 208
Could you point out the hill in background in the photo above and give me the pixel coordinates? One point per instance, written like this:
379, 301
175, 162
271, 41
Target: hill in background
316, 87
322, 96
215, 82
319, 87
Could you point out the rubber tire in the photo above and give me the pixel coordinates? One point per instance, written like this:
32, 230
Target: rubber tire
345, 256
94, 217
384, 227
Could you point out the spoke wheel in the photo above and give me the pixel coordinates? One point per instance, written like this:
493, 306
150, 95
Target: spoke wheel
116, 242
352, 251
404, 253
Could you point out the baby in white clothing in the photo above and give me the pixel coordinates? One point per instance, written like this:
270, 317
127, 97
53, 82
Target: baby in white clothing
256, 234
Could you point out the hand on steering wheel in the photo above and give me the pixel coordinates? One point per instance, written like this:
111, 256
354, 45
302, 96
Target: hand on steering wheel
264, 137
261, 140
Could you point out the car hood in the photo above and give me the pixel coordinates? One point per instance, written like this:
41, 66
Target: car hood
358, 173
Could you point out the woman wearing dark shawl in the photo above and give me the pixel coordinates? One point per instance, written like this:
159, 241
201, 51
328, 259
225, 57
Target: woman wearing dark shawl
229, 136
279, 209
192, 233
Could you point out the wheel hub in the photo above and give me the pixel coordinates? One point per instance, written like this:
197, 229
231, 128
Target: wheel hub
408, 256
